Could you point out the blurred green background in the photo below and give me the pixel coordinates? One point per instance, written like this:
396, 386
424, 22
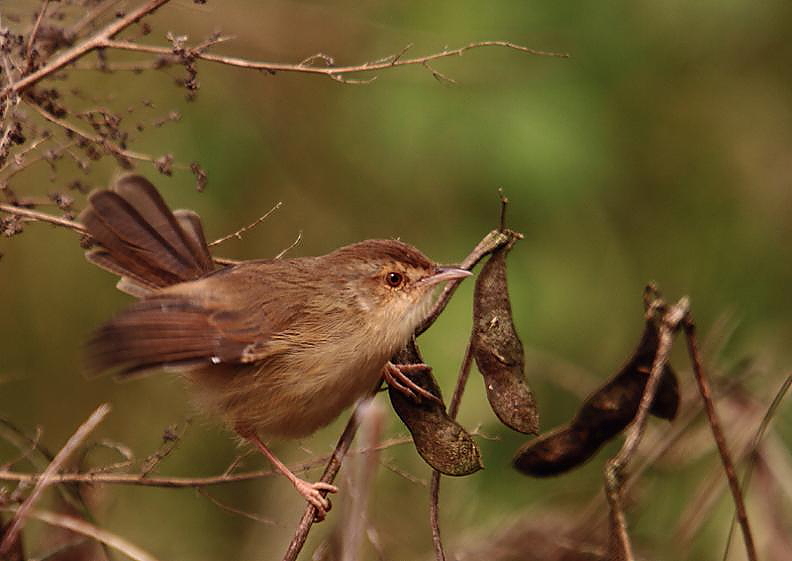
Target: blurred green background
660, 150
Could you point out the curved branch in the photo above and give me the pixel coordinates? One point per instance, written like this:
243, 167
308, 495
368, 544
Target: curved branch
329, 70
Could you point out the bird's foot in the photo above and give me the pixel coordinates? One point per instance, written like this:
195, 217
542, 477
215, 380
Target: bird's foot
395, 377
313, 494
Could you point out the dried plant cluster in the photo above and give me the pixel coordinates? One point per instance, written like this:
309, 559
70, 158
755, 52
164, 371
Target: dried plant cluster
46, 122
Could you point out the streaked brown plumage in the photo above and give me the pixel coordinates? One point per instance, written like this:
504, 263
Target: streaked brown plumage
276, 347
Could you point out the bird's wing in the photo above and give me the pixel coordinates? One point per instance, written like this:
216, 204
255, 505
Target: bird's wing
177, 328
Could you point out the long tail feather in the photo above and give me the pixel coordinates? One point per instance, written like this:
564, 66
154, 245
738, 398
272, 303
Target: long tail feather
160, 331
142, 239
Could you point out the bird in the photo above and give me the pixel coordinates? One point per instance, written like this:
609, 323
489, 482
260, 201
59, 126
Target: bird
277, 348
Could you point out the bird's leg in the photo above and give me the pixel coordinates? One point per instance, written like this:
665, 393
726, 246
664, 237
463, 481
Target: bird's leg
394, 375
311, 491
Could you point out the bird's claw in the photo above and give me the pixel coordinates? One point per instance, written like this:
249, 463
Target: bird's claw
313, 494
396, 378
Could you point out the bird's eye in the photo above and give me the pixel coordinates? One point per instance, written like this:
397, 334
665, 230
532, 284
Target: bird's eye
394, 279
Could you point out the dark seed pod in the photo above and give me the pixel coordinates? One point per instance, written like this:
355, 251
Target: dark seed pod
609, 410
441, 441
602, 416
498, 350
555, 452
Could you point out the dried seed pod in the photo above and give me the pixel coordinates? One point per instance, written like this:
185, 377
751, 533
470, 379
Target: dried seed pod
498, 350
555, 452
606, 413
441, 441
611, 408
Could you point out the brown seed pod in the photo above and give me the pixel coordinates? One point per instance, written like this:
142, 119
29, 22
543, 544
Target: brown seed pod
555, 452
498, 350
603, 415
441, 441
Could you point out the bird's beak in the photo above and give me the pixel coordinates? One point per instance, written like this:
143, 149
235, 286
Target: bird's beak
443, 274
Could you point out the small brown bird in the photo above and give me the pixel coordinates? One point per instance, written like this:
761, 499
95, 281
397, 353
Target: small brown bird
277, 347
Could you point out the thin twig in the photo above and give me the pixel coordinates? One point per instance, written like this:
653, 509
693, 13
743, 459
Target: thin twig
434, 515
335, 72
464, 374
242, 230
328, 476
504, 203
17, 160
620, 546
717, 433
31, 447
46, 478
86, 529
228, 508
103, 142
294, 244
393, 468
434, 485
20, 166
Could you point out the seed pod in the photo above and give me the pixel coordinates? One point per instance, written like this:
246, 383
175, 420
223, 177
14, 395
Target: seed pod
606, 413
611, 408
440, 440
555, 452
498, 350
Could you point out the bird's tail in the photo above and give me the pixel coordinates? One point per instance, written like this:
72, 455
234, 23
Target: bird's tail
142, 240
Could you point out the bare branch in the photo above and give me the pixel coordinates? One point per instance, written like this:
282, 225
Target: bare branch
434, 516
434, 486
306, 66
717, 433
330, 472
292, 246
